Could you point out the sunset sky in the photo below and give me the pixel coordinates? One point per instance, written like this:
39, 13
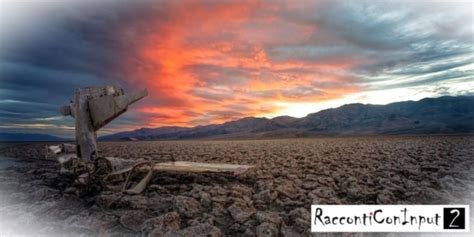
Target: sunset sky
209, 62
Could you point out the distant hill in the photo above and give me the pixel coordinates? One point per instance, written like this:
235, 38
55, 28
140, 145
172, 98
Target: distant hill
427, 116
29, 137
148, 134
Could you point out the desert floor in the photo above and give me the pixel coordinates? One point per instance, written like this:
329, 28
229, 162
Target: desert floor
272, 200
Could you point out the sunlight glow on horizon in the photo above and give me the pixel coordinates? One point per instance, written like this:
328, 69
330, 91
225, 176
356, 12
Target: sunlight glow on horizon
209, 62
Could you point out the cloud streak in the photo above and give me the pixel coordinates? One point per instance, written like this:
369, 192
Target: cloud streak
213, 61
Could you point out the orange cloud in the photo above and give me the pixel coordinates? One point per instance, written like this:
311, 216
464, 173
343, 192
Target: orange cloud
210, 63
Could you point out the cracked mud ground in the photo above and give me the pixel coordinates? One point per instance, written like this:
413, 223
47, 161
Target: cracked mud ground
272, 200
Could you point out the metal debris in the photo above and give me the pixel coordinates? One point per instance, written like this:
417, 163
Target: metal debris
93, 108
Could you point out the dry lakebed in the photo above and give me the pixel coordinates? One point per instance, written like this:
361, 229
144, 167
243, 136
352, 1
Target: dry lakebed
274, 199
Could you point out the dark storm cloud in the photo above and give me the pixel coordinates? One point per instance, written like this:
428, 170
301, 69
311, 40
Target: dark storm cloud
43, 83
371, 45
384, 37
369, 26
431, 57
76, 46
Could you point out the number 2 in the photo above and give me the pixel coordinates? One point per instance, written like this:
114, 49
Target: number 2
451, 212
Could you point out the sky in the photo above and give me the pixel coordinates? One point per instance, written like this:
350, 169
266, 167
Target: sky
207, 62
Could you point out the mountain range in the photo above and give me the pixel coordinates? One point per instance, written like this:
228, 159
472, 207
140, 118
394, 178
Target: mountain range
443, 115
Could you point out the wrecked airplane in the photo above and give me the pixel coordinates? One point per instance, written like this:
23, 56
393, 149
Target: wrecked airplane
93, 108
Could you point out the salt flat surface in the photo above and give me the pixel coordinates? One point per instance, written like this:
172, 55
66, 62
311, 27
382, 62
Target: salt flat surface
290, 175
